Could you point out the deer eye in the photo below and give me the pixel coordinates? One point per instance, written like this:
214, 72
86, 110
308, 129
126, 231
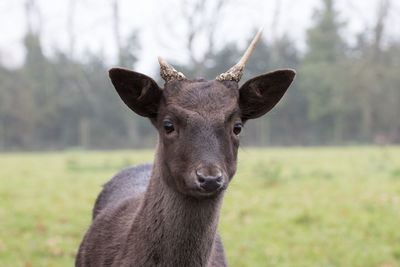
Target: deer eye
237, 128
168, 126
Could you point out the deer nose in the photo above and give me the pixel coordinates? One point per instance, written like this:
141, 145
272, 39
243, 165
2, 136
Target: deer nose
209, 183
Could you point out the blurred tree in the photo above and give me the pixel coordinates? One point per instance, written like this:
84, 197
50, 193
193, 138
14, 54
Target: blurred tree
323, 75
377, 69
38, 88
128, 50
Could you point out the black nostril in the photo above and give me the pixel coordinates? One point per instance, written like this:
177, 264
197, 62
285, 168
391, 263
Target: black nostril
209, 183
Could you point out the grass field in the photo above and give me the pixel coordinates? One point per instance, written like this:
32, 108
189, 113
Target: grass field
285, 207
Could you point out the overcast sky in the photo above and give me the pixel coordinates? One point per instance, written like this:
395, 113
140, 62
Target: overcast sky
154, 20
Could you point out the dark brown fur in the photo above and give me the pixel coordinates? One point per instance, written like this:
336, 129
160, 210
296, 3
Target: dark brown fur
157, 215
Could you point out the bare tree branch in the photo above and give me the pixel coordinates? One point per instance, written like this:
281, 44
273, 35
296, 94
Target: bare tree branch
71, 26
116, 28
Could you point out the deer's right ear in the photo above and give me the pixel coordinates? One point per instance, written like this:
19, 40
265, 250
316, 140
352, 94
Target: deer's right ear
139, 92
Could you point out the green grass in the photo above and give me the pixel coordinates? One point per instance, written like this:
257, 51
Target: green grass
285, 207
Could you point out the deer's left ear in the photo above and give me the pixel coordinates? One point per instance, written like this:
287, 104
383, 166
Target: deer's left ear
260, 94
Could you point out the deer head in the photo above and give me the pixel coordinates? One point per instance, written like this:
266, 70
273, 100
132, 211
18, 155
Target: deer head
199, 122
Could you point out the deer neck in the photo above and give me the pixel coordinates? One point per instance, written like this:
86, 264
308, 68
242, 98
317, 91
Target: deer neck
176, 230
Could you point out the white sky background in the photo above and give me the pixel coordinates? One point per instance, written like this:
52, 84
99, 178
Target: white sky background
160, 27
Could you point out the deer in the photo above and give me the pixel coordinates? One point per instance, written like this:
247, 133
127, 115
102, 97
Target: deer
167, 213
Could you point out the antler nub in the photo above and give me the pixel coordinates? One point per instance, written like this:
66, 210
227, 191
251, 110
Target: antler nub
235, 73
168, 72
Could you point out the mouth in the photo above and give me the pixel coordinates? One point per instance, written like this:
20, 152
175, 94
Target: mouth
201, 193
